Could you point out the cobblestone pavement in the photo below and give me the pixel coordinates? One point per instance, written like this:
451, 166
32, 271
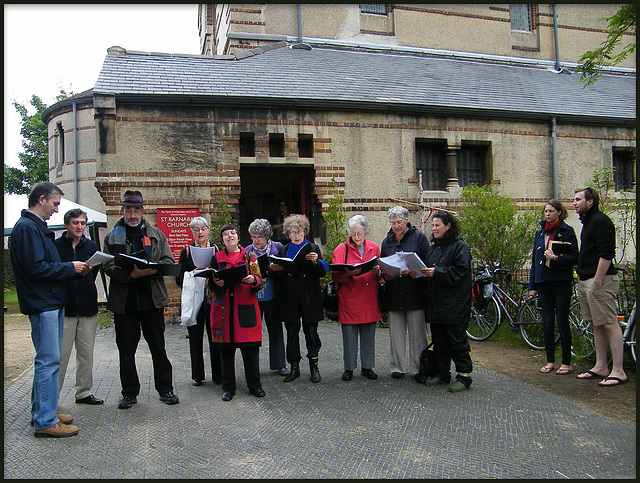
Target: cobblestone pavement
385, 428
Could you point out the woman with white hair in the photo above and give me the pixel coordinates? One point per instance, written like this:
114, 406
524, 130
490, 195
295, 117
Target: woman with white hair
358, 309
404, 295
200, 228
262, 244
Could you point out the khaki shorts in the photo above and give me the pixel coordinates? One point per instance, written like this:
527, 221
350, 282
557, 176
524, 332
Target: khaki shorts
598, 304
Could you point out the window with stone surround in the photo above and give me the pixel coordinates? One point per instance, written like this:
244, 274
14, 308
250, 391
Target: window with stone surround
624, 161
375, 8
305, 145
430, 161
247, 145
276, 145
520, 14
58, 143
472, 163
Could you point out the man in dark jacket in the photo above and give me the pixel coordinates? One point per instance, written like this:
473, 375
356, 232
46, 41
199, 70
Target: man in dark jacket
81, 309
598, 286
137, 298
38, 271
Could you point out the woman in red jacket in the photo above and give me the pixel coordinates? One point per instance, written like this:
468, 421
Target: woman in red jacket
235, 315
358, 309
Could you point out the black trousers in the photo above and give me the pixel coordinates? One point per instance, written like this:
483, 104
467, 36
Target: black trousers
311, 337
196, 347
450, 343
269, 312
251, 360
555, 300
128, 327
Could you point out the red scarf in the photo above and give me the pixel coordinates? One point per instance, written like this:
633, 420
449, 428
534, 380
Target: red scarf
551, 228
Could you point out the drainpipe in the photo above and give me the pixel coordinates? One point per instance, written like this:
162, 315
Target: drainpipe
554, 158
300, 45
75, 152
555, 37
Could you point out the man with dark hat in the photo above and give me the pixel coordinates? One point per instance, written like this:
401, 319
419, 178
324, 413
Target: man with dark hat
137, 298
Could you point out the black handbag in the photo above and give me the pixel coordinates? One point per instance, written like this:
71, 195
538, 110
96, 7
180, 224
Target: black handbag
330, 297
427, 365
381, 302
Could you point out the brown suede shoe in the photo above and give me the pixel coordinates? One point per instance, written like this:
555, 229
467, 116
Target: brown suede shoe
64, 418
57, 431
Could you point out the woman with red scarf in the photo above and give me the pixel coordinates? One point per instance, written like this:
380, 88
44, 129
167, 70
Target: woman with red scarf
550, 279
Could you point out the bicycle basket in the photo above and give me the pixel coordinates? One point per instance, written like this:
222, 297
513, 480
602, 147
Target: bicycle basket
482, 290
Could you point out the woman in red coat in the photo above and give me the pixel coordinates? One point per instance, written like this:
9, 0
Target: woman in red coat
358, 309
235, 315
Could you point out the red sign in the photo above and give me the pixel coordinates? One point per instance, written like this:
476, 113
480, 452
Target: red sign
174, 223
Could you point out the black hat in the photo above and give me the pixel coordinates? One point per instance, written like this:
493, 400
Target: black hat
132, 198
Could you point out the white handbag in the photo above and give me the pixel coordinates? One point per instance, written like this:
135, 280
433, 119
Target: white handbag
192, 298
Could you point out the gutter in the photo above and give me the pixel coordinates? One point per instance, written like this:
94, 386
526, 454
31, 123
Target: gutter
75, 151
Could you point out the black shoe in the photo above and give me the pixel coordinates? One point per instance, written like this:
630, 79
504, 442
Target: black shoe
169, 398
196, 383
315, 373
397, 375
227, 395
293, 373
258, 392
369, 374
127, 401
347, 375
90, 399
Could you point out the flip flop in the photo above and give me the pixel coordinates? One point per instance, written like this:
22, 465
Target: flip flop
591, 375
564, 372
546, 369
613, 378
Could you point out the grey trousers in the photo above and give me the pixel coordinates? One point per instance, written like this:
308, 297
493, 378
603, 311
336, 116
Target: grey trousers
82, 332
402, 322
367, 334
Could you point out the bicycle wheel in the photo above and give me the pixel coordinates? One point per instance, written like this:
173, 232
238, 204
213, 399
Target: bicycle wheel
483, 322
582, 345
631, 341
531, 326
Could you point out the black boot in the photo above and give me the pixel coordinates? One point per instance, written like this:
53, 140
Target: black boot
313, 368
293, 373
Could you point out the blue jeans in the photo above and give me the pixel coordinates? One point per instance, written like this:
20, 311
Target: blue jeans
47, 329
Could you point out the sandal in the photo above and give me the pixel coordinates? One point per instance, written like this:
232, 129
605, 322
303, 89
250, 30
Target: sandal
564, 371
548, 368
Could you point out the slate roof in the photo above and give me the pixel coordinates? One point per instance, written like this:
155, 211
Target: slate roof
346, 79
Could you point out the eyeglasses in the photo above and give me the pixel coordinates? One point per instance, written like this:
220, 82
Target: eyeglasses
199, 230
357, 235
257, 237
396, 223
228, 233
296, 233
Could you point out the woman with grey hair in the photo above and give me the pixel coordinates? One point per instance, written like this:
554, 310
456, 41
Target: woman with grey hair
200, 229
300, 296
358, 309
404, 295
261, 231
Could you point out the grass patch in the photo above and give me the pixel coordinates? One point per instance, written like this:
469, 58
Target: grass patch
11, 296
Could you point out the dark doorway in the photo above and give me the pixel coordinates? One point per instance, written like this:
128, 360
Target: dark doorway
261, 189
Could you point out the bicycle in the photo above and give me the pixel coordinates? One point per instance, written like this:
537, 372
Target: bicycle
488, 308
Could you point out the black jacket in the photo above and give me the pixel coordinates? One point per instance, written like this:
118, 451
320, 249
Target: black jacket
405, 293
449, 290
562, 269
597, 240
82, 298
304, 291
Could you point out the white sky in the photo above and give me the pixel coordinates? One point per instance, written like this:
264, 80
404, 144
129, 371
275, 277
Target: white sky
51, 46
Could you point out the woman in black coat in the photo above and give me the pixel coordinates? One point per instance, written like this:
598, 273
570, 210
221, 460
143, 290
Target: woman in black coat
551, 279
299, 295
448, 306
200, 228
